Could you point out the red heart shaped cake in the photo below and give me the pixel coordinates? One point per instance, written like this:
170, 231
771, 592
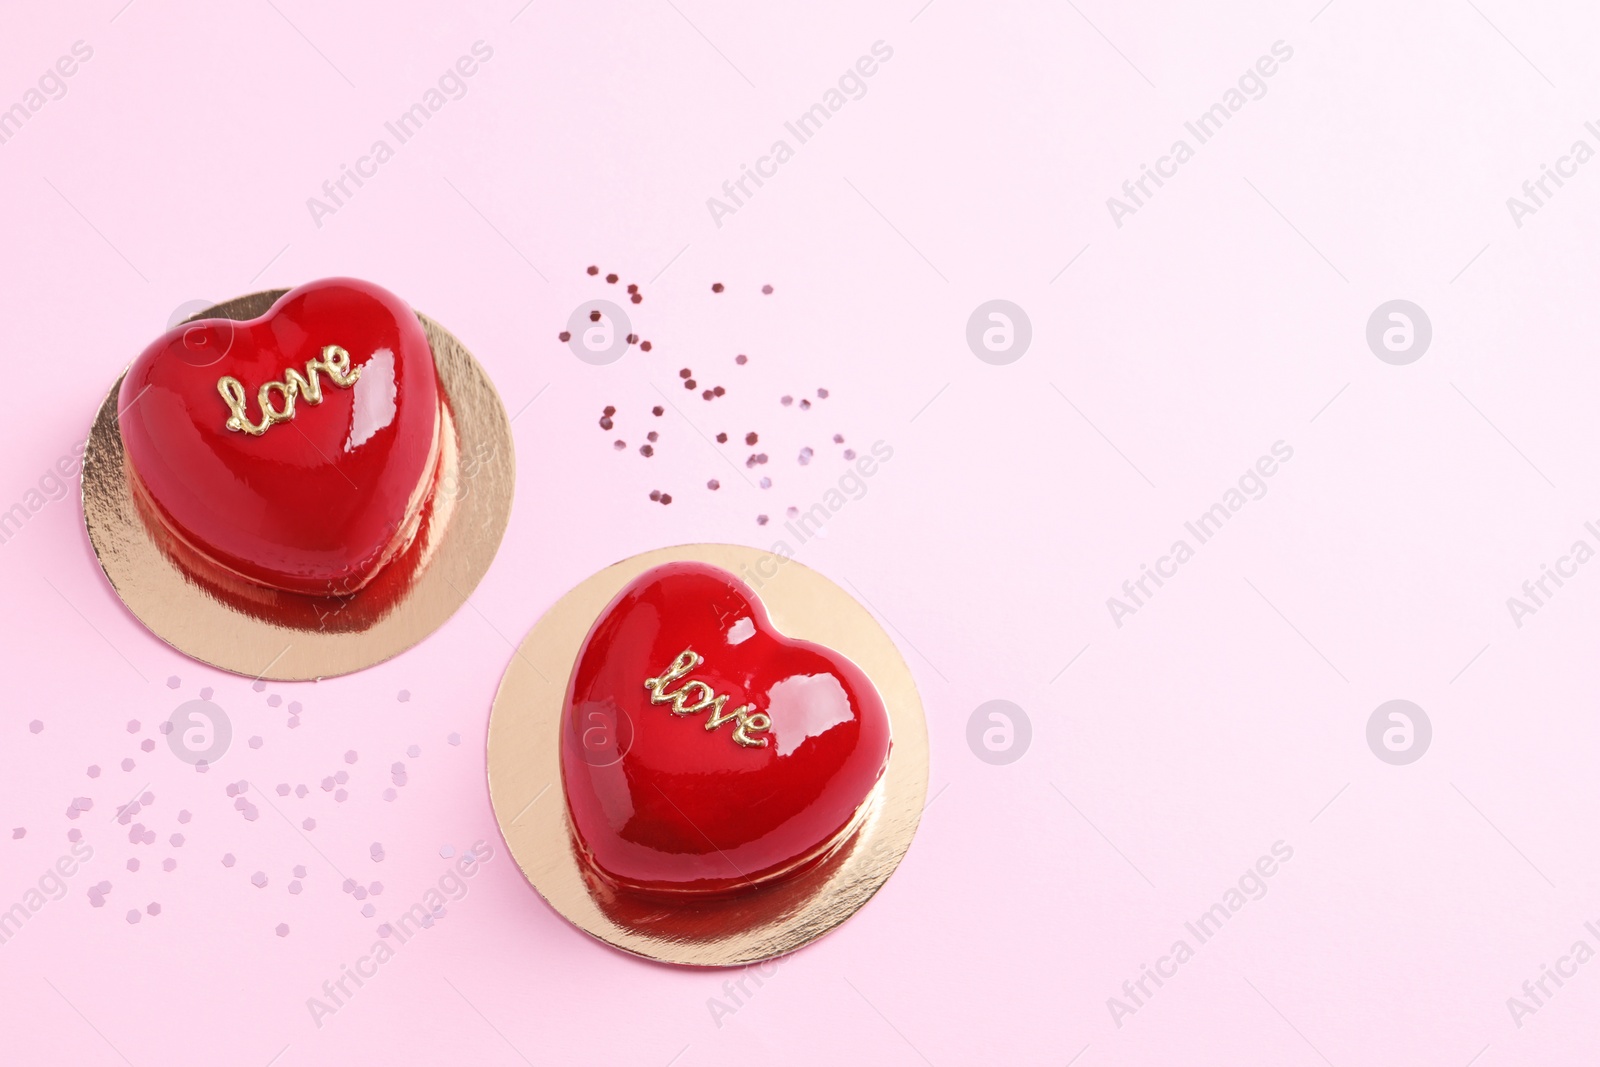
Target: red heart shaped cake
297, 449
703, 751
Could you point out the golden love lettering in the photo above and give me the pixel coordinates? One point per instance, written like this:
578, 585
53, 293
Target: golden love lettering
334, 361
695, 696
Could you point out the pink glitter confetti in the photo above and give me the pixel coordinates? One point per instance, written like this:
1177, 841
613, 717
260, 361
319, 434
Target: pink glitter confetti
133, 726
174, 681
259, 879
389, 794
274, 700
154, 908
35, 726
127, 764
283, 929
454, 739
403, 696
310, 824
184, 816
342, 777
255, 742
169, 865
227, 860
134, 916
18, 833
350, 757
147, 745
294, 707
176, 840
340, 796
299, 870
376, 888
761, 520
446, 851
377, 852
205, 694
133, 865
301, 791
259, 686
294, 887
283, 789
414, 751
94, 772
368, 910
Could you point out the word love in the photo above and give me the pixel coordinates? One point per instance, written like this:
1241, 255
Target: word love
695, 695
335, 361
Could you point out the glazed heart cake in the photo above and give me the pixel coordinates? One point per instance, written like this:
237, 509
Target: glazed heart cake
704, 752
295, 450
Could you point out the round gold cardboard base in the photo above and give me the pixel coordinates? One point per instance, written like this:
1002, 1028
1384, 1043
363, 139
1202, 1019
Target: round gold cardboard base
265, 633
530, 803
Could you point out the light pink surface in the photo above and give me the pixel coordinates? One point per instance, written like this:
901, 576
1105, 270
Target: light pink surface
1228, 313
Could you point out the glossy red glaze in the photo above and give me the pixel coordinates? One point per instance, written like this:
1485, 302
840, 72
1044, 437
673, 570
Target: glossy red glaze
661, 803
320, 501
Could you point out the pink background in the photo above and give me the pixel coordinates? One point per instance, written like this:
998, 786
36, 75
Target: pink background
1228, 313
